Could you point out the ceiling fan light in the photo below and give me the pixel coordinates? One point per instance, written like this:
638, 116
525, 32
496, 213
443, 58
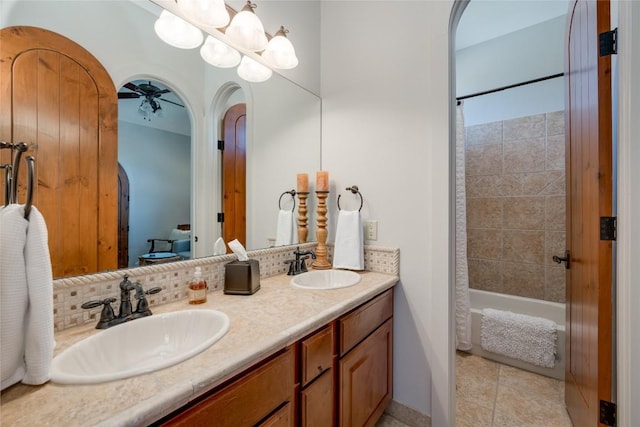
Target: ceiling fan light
219, 54
252, 71
246, 30
177, 32
280, 52
209, 13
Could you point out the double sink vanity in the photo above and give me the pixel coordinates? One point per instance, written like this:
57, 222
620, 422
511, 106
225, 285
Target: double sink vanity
315, 350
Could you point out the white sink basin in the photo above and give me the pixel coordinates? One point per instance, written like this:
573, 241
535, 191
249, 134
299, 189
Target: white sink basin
325, 279
139, 346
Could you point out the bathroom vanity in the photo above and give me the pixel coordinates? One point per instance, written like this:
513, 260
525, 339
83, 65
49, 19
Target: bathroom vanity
291, 357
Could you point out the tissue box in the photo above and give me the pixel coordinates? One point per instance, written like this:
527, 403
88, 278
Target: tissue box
242, 277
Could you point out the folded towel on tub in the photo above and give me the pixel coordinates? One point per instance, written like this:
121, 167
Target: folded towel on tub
527, 338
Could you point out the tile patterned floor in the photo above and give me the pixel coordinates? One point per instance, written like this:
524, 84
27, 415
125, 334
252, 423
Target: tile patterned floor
389, 421
492, 395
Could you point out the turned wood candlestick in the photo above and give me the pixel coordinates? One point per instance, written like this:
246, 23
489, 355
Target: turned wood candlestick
321, 262
303, 231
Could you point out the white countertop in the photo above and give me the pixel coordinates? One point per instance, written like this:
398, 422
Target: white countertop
261, 324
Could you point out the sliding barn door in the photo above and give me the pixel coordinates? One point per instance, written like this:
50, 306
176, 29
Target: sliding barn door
589, 197
59, 99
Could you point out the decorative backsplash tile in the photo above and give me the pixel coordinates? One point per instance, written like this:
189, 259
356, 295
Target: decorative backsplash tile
70, 293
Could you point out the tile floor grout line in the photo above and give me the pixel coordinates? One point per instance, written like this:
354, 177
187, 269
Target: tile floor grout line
495, 399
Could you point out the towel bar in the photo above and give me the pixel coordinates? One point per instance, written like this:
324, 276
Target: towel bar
354, 189
292, 193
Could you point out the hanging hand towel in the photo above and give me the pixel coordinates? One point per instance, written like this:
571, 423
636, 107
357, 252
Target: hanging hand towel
348, 250
285, 231
26, 288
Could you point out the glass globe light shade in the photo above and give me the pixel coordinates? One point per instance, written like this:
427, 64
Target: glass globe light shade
253, 71
177, 32
217, 53
208, 13
246, 30
280, 52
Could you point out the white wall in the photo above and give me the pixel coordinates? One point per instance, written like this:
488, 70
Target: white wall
159, 184
386, 129
517, 57
628, 216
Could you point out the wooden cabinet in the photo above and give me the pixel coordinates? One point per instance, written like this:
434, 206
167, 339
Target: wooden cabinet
249, 400
317, 367
365, 372
340, 374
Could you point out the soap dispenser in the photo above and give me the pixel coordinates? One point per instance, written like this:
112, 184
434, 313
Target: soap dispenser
197, 288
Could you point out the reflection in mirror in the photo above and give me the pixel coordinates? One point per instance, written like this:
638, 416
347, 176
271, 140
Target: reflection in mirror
282, 125
154, 155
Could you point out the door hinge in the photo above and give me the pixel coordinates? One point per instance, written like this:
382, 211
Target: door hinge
221, 217
608, 228
609, 42
220, 145
607, 413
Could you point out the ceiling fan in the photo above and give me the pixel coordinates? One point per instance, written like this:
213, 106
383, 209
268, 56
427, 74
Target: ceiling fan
151, 95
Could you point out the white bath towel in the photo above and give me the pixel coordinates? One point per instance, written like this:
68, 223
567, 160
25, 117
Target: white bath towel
527, 338
348, 251
26, 288
285, 231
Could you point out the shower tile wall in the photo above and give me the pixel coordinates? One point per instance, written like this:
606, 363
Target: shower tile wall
516, 206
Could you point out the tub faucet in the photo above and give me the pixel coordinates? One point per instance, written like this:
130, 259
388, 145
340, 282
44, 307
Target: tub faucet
298, 265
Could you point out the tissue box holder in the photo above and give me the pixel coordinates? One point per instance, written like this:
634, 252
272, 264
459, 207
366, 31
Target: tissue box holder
242, 277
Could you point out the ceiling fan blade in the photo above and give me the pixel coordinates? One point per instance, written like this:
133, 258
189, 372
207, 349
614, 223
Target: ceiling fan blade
127, 95
160, 92
132, 87
171, 102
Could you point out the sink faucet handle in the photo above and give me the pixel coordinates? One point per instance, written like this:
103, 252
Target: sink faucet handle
107, 314
153, 290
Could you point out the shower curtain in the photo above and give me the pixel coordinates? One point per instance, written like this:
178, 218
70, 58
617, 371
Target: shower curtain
463, 306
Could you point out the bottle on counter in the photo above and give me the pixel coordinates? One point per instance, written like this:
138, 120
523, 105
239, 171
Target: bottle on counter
197, 288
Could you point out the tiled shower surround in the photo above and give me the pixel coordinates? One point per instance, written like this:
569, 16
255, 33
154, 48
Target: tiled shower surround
69, 293
515, 187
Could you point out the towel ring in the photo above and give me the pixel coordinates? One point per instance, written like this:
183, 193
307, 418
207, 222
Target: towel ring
354, 189
293, 197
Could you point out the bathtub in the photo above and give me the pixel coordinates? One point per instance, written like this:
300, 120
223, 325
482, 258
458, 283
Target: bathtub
532, 307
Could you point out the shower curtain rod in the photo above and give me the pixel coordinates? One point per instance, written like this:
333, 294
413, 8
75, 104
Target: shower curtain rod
486, 92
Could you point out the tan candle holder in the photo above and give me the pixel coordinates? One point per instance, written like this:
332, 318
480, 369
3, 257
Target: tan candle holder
321, 262
303, 231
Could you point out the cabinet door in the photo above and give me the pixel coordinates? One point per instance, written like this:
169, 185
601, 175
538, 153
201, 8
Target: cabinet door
365, 379
316, 402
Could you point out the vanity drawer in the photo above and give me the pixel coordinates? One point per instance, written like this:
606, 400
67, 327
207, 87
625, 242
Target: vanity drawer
317, 354
248, 400
355, 326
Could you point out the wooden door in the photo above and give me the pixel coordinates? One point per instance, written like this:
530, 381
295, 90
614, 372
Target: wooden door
57, 97
234, 173
589, 197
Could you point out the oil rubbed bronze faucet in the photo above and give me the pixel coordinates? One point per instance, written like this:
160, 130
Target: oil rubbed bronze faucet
125, 313
298, 265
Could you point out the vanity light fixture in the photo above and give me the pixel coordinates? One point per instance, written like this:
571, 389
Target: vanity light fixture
177, 32
219, 54
182, 22
246, 30
280, 52
208, 13
252, 71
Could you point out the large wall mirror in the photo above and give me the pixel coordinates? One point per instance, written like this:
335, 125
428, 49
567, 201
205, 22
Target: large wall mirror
282, 122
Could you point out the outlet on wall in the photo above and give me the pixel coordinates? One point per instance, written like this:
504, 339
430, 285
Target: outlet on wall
371, 230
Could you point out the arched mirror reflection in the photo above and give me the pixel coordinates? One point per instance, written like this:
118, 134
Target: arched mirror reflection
154, 156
